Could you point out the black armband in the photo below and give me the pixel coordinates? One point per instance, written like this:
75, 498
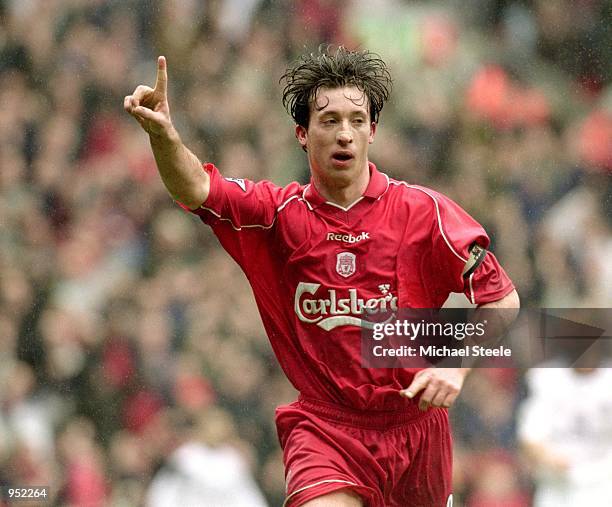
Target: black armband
477, 255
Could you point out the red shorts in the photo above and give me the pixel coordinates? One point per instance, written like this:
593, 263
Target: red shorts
391, 459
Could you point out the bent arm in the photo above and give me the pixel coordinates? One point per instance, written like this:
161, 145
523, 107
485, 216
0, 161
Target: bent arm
441, 386
499, 314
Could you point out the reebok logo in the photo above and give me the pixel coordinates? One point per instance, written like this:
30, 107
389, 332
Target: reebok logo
347, 238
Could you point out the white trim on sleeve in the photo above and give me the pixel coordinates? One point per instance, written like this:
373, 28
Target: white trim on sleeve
437, 215
317, 484
240, 227
472, 298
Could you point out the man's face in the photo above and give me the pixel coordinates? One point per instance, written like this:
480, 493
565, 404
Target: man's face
338, 135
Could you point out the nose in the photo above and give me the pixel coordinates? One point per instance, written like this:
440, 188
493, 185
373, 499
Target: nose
344, 137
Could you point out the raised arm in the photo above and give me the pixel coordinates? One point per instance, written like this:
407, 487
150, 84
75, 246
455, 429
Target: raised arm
179, 168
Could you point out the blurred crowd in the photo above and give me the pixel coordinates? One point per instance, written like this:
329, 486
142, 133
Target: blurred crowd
129, 341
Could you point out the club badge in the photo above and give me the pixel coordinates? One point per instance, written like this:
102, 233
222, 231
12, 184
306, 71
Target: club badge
345, 264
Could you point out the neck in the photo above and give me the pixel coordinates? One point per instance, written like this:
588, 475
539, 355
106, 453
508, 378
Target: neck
343, 193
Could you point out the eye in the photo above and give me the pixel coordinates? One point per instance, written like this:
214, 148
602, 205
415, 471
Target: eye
359, 121
329, 121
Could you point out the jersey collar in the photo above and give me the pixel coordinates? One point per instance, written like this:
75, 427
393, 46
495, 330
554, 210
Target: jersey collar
377, 186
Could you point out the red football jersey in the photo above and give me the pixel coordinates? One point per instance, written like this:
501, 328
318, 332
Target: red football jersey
317, 269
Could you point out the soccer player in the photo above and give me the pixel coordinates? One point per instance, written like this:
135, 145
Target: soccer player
319, 258
565, 429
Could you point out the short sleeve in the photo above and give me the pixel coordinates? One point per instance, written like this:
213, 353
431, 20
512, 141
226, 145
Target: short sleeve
242, 212
454, 233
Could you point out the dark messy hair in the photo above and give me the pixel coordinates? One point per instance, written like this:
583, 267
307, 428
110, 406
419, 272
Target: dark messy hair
335, 69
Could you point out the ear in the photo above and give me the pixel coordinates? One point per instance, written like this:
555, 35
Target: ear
302, 135
373, 126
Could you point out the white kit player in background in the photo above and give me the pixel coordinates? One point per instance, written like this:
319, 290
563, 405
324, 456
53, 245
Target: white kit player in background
565, 428
198, 475
202, 466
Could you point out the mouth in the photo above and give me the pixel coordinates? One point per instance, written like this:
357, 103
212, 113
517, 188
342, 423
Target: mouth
342, 157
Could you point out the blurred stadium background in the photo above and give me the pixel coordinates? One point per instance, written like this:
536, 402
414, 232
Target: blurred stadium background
125, 330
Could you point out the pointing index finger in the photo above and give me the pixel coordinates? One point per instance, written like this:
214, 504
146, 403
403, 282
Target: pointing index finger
161, 84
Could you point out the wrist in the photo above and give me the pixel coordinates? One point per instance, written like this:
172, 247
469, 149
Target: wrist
165, 139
